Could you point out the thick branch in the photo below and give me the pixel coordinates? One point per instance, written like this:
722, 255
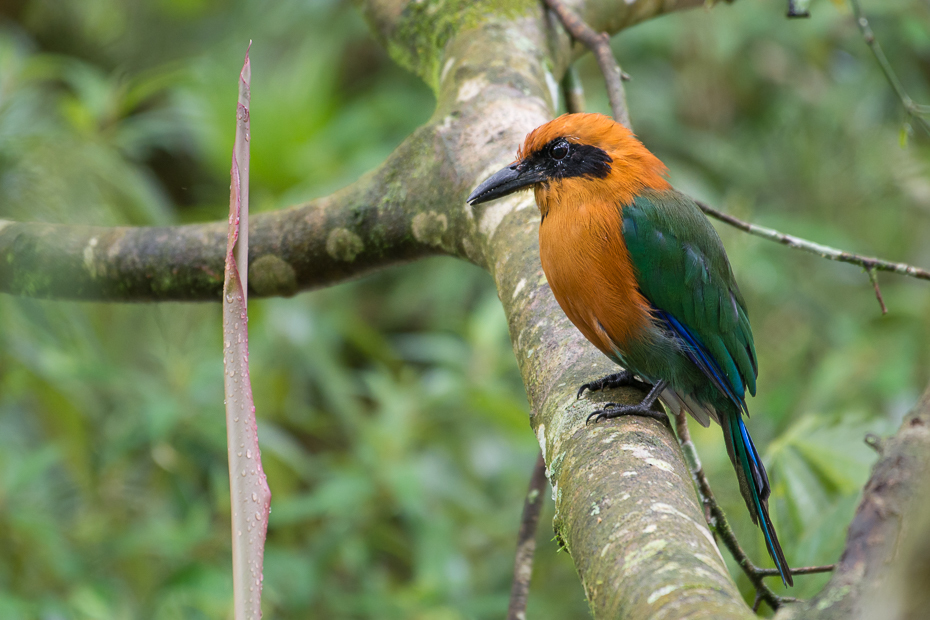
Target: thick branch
893, 502
625, 505
394, 215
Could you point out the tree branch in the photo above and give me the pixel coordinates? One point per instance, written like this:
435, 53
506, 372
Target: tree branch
717, 520
916, 111
599, 44
389, 217
823, 251
878, 537
869, 264
526, 542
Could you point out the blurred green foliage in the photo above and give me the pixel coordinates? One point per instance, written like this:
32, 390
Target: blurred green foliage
392, 417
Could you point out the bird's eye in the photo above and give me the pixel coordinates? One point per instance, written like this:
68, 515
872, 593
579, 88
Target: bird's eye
558, 150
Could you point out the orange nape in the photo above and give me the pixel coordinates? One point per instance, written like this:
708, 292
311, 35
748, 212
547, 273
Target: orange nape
632, 168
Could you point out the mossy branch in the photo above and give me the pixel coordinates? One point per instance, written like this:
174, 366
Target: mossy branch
396, 214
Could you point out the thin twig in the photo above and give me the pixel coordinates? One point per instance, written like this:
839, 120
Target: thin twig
526, 542
718, 523
804, 570
574, 91
916, 111
869, 264
797, 9
599, 44
873, 278
694, 465
824, 251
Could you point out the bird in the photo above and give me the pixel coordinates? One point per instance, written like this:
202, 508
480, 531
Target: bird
642, 273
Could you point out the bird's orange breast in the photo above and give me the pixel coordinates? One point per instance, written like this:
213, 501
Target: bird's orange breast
589, 269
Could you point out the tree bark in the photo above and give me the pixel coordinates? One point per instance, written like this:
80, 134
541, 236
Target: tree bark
393, 215
883, 569
626, 508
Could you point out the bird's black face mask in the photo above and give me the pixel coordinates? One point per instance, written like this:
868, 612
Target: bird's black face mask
558, 159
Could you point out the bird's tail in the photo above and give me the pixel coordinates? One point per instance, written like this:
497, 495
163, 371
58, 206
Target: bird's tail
754, 485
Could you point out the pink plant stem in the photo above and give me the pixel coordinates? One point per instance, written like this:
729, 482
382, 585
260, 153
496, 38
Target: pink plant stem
250, 497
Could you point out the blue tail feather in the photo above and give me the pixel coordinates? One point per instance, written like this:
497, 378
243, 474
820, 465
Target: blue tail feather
748, 458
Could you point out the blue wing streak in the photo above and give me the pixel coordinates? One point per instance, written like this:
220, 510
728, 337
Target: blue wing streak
695, 350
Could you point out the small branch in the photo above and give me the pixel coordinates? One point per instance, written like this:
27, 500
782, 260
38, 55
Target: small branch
694, 465
526, 542
916, 111
574, 91
869, 264
804, 570
723, 529
873, 278
824, 251
599, 44
718, 520
718, 523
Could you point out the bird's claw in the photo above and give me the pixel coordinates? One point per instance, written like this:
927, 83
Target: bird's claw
601, 414
613, 410
615, 380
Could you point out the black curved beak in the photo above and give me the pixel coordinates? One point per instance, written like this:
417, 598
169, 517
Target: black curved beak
514, 177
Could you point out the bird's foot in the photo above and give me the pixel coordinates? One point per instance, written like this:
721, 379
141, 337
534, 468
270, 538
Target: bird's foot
619, 379
614, 410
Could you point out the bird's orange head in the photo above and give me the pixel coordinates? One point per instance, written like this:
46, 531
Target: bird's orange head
577, 157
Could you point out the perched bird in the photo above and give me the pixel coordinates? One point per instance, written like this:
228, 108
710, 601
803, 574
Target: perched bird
642, 273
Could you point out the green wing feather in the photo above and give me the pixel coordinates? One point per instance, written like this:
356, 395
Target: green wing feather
683, 270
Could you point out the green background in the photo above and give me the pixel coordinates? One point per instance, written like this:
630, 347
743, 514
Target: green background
393, 422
